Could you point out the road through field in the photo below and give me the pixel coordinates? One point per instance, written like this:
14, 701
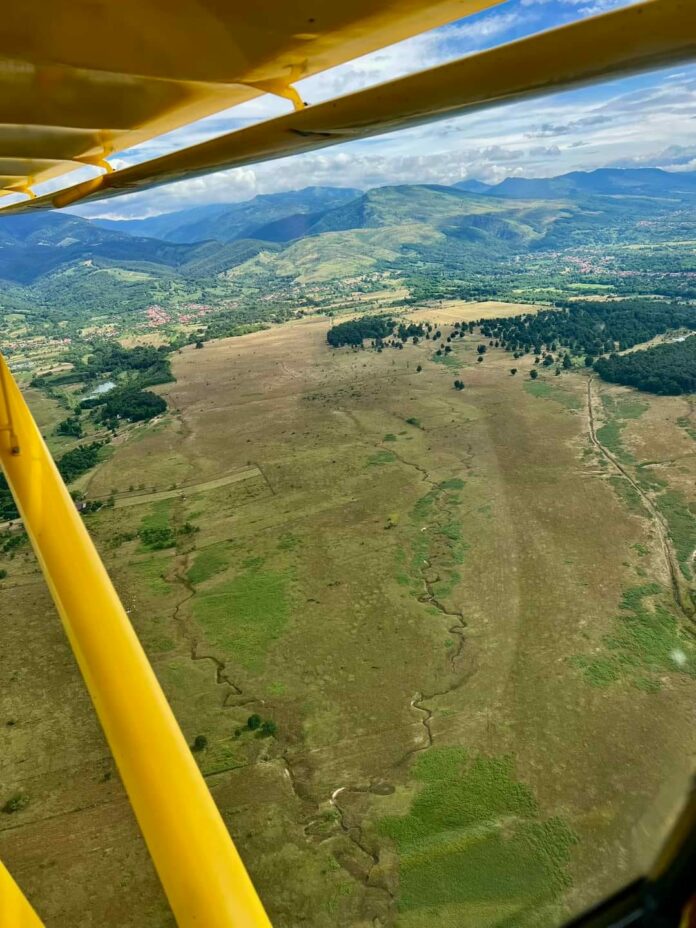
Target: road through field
680, 599
141, 499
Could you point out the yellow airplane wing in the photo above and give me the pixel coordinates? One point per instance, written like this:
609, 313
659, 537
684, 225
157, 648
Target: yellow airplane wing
648, 35
83, 79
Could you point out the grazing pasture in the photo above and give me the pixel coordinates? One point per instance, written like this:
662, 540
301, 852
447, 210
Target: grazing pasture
428, 650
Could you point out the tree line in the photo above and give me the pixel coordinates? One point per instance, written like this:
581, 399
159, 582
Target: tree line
669, 370
71, 466
355, 331
588, 328
376, 329
142, 366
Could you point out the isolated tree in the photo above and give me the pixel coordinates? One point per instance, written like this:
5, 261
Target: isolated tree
567, 363
513, 371
534, 373
200, 743
199, 344
419, 368
254, 722
480, 358
482, 349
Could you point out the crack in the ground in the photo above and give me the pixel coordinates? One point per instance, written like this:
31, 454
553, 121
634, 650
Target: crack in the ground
353, 831
421, 470
429, 598
420, 703
222, 678
355, 834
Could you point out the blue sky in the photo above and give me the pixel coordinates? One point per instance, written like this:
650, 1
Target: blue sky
642, 121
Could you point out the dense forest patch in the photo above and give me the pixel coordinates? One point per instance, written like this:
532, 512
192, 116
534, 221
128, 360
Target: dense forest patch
589, 328
78, 461
355, 331
669, 370
376, 328
131, 404
141, 366
8, 510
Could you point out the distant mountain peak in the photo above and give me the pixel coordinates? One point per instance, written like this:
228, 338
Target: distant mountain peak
650, 182
471, 185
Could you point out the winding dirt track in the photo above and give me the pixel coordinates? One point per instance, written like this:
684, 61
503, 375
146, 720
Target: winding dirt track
680, 598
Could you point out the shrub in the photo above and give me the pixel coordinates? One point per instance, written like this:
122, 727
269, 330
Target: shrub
15, 803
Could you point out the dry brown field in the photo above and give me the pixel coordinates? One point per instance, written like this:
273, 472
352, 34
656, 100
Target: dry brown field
453, 607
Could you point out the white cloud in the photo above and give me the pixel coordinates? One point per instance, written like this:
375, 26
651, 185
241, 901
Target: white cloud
586, 8
416, 54
603, 6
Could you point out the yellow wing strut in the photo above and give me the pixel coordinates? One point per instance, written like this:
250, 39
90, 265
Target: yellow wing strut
15, 911
201, 872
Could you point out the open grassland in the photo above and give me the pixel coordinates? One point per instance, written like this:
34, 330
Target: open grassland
451, 611
447, 312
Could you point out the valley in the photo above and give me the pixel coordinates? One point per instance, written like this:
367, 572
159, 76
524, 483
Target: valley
451, 612
216, 271
397, 489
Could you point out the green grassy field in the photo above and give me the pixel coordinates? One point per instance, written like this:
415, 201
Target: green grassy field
451, 613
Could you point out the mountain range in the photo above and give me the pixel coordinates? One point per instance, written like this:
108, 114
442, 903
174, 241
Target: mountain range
281, 217
323, 232
613, 182
227, 222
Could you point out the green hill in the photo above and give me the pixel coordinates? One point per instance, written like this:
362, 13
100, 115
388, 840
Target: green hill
226, 222
468, 240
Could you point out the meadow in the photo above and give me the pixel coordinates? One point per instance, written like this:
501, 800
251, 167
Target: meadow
451, 611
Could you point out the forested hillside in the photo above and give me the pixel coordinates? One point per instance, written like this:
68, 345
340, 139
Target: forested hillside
665, 369
219, 269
